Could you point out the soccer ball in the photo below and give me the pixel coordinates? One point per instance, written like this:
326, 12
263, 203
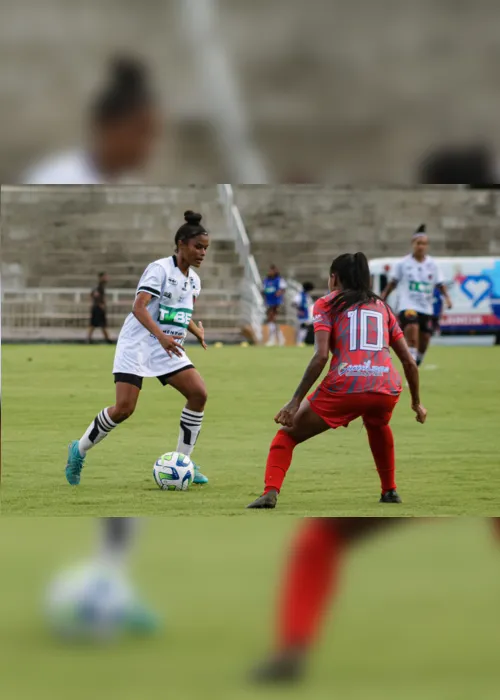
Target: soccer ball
89, 602
173, 471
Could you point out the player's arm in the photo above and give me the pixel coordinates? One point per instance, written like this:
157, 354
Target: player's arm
198, 331
444, 293
440, 285
410, 368
316, 365
389, 289
311, 375
142, 314
393, 283
282, 288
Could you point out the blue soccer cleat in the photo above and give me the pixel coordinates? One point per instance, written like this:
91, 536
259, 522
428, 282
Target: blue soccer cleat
75, 464
199, 478
141, 620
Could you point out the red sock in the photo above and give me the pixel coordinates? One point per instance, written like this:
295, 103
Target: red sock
382, 446
310, 579
278, 461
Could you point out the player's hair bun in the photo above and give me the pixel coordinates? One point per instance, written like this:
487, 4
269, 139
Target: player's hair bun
192, 217
127, 72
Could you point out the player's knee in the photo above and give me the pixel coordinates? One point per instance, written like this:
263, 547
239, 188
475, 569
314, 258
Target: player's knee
198, 397
123, 411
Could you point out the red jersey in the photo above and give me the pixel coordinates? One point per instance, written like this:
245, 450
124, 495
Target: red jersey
360, 338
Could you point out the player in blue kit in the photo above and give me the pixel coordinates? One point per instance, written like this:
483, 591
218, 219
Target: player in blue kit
437, 310
303, 303
274, 295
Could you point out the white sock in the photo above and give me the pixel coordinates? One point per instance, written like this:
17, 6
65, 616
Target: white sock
414, 353
272, 332
116, 538
420, 357
190, 429
281, 337
302, 335
97, 431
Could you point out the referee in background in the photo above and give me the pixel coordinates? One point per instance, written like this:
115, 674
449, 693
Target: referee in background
98, 311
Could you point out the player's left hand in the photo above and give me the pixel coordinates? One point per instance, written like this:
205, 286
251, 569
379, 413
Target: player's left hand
449, 304
287, 414
201, 335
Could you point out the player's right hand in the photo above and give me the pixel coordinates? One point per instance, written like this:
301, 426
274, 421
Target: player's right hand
420, 411
287, 414
170, 345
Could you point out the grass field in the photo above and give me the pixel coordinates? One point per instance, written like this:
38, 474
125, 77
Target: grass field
51, 393
417, 616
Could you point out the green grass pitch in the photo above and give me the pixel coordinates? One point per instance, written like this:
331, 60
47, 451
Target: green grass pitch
416, 617
51, 393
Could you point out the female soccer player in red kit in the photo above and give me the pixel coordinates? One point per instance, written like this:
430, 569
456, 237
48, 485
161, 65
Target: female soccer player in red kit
358, 328
310, 582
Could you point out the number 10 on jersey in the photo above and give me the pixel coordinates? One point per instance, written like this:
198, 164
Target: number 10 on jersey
359, 327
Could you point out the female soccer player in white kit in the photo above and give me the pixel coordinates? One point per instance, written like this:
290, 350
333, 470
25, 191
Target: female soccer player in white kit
150, 344
123, 128
416, 276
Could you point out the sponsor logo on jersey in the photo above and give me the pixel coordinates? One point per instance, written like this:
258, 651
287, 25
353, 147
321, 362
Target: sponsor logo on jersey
317, 318
169, 316
421, 287
168, 295
172, 281
174, 333
365, 369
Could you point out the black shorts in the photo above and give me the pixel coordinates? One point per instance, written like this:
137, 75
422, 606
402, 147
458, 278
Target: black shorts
98, 318
424, 321
274, 308
135, 380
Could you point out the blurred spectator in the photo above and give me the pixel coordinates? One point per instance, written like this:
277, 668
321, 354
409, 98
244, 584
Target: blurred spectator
303, 303
98, 318
274, 296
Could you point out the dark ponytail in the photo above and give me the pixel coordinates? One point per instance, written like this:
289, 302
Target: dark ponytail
126, 91
353, 273
191, 228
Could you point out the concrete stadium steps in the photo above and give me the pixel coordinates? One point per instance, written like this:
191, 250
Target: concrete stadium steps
301, 228
125, 275
62, 237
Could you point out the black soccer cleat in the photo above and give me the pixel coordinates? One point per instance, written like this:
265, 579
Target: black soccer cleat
267, 500
391, 496
285, 668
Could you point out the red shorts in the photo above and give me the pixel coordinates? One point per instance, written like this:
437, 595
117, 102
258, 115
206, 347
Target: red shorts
341, 409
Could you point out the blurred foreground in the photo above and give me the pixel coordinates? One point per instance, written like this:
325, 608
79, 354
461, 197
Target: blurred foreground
417, 615
365, 92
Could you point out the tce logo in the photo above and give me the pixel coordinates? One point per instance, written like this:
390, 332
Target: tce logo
168, 295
